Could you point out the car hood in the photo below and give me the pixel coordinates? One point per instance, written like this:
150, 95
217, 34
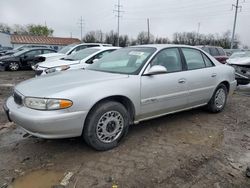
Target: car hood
51, 55
7, 58
52, 84
57, 63
239, 61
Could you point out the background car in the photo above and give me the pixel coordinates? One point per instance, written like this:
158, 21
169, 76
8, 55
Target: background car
22, 58
23, 47
126, 86
67, 50
217, 52
4, 49
241, 63
78, 60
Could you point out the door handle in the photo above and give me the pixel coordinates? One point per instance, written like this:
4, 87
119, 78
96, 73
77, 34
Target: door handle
214, 75
182, 81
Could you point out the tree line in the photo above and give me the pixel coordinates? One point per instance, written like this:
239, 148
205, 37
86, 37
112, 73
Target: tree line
188, 38
31, 29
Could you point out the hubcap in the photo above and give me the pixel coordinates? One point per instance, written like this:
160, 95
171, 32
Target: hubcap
109, 126
13, 66
220, 98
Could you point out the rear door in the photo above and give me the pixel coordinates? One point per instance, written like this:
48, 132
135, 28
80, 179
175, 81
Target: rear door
29, 56
201, 75
164, 93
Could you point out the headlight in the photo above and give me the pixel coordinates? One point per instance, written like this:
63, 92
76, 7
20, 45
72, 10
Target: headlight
57, 69
47, 104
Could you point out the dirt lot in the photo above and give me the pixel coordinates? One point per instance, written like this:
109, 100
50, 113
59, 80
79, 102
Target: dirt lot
189, 149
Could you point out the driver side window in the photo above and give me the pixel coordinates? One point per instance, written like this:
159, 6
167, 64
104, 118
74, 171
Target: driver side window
169, 58
32, 53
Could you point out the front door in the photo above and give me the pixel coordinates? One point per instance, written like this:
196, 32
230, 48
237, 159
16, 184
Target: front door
164, 93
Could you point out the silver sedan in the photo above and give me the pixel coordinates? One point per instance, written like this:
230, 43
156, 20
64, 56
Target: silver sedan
125, 87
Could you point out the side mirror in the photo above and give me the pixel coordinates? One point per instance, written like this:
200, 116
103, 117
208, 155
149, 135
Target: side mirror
156, 69
95, 60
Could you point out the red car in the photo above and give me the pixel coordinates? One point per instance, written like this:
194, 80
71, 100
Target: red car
217, 52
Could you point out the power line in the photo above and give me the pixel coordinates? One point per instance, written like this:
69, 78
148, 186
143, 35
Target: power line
235, 21
119, 11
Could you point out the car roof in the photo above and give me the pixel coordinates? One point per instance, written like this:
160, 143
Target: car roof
208, 46
105, 48
162, 46
101, 44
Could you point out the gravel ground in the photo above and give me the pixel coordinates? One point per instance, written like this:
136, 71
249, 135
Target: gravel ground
189, 149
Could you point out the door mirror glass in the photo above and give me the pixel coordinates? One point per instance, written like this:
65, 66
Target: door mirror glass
95, 60
156, 69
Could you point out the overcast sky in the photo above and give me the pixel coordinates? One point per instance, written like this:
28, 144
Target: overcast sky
166, 16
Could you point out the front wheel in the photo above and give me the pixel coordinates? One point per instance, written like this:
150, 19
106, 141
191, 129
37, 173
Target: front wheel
219, 99
106, 124
14, 66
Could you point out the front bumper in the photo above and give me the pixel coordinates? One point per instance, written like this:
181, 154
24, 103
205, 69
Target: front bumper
233, 86
242, 73
46, 124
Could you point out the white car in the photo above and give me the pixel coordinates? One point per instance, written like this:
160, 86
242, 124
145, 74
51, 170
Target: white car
241, 63
67, 50
78, 60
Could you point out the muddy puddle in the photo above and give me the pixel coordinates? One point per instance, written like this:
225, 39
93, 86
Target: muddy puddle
38, 179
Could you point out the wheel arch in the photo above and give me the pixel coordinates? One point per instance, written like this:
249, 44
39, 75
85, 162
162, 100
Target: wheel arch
125, 101
226, 83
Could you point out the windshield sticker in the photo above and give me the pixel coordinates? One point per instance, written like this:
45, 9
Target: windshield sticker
136, 53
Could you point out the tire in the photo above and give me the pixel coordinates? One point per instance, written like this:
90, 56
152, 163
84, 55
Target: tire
105, 125
218, 101
13, 66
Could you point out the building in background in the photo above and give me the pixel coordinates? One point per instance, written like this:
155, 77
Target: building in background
5, 39
19, 40
54, 42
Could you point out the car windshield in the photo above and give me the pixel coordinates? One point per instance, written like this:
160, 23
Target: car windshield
20, 52
124, 61
65, 49
240, 55
81, 54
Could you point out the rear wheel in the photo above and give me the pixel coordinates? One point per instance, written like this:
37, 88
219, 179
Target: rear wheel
106, 124
14, 66
219, 99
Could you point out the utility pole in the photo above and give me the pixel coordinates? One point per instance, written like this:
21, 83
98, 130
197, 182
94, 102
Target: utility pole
148, 31
81, 25
235, 21
118, 10
198, 32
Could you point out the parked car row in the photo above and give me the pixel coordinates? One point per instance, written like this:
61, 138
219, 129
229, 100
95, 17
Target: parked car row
22, 59
123, 87
78, 60
27, 56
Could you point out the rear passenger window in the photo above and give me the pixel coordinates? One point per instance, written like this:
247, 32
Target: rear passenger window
214, 52
205, 49
221, 52
208, 62
193, 58
47, 51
